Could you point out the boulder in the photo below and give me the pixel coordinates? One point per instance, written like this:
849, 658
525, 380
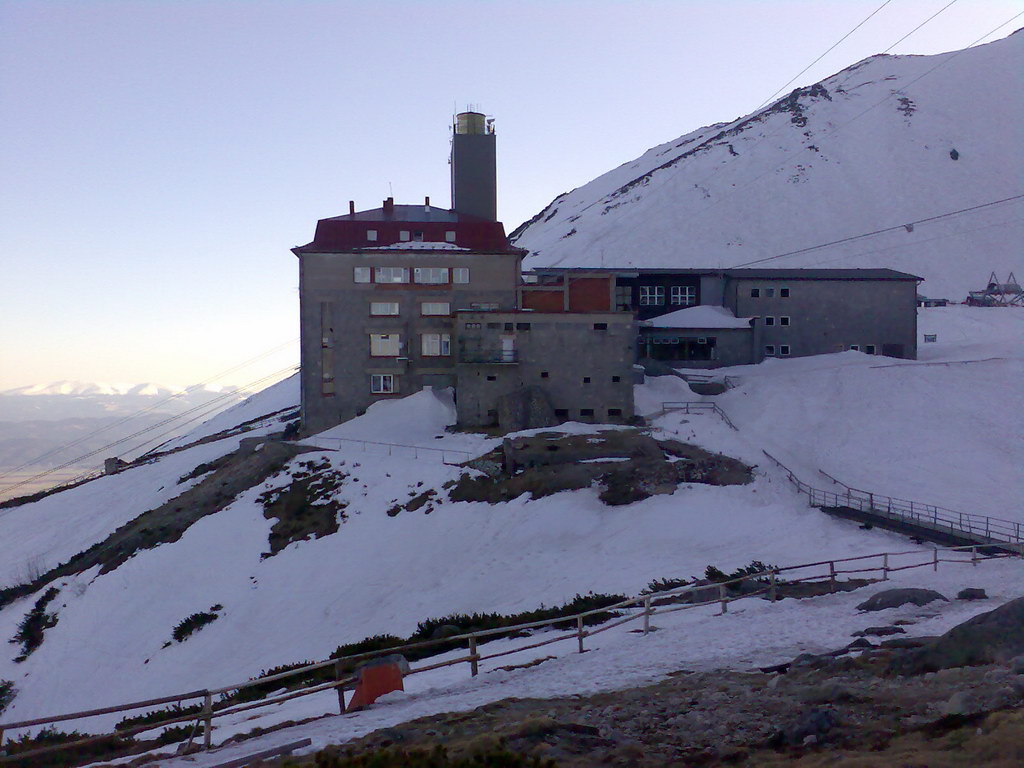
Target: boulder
971, 593
893, 598
881, 631
994, 637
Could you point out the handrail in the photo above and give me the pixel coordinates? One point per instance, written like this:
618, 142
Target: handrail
690, 406
974, 527
430, 450
647, 601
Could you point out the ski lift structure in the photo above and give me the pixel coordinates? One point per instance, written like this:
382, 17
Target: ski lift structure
998, 293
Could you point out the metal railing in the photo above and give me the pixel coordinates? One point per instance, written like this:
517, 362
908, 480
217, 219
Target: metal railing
393, 449
697, 406
695, 594
973, 527
489, 356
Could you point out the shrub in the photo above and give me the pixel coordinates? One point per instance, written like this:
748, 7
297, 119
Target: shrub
176, 733
7, 694
194, 623
663, 585
36, 622
421, 758
157, 716
107, 747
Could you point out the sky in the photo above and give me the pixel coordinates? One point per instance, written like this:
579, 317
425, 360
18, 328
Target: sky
159, 158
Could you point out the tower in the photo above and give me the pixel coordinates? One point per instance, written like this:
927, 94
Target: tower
474, 168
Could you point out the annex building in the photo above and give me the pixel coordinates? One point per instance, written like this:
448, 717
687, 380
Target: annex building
400, 297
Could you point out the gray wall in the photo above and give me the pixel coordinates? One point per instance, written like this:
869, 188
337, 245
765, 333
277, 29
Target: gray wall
566, 347
474, 175
830, 315
328, 292
734, 346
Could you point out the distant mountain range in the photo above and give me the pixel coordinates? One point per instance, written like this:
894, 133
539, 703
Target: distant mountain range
884, 143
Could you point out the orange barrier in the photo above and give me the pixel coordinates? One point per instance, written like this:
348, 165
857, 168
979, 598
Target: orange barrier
374, 682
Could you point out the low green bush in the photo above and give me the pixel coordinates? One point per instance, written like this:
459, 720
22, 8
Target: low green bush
36, 622
422, 758
7, 694
107, 747
194, 623
157, 716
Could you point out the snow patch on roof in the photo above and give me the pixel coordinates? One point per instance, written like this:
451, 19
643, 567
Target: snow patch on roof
418, 245
700, 316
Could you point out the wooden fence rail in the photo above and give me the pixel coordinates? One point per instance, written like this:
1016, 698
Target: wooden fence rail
691, 595
978, 528
697, 406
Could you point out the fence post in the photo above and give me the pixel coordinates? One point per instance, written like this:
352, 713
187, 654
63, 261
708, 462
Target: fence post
772, 586
340, 689
721, 597
885, 567
974, 556
935, 559
207, 721
647, 615
473, 665
579, 632
831, 576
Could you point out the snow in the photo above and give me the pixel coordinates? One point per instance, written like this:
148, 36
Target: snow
700, 316
418, 245
771, 184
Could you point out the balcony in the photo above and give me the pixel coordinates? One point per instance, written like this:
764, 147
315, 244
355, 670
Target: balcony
489, 356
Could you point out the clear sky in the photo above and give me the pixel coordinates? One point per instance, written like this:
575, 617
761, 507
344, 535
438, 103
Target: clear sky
159, 159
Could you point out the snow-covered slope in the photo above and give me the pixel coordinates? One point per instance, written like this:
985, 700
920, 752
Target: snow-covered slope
890, 140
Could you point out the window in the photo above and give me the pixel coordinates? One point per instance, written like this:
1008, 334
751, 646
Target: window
492, 378
869, 349
449, 236
586, 379
769, 349
585, 412
755, 293
623, 297
391, 275
428, 308
361, 275
769, 320
854, 347
371, 234
430, 275
382, 383
600, 326
327, 371
784, 320
378, 308
417, 236
652, 295
544, 374
494, 326
488, 306
561, 413
385, 344
614, 412
702, 339
784, 349
471, 326
404, 235
522, 326
683, 295
509, 326
784, 293
460, 275
436, 345
616, 379
769, 293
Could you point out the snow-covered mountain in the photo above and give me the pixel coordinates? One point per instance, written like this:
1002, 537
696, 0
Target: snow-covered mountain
944, 429
886, 142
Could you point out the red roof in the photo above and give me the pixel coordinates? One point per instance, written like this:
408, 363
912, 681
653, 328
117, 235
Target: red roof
422, 222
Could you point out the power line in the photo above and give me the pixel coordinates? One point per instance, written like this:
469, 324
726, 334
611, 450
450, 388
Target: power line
830, 49
908, 226
919, 26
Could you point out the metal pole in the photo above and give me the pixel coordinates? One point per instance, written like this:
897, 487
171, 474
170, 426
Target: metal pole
207, 721
721, 597
935, 559
579, 632
831, 576
647, 615
340, 689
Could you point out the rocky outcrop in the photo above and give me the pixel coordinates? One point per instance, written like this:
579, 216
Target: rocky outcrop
893, 598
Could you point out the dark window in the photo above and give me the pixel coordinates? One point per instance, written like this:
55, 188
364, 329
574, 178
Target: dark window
769, 293
586, 379
755, 293
494, 326
543, 374
600, 326
508, 326
870, 349
417, 236
769, 349
784, 349
561, 413
784, 320
492, 378
623, 297
586, 411
612, 412
784, 293
616, 379
769, 320
522, 326
472, 326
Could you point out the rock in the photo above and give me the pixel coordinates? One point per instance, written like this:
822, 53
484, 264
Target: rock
994, 637
860, 643
960, 703
1016, 665
971, 593
881, 631
826, 693
907, 642
816, 722
893, 598
774, 682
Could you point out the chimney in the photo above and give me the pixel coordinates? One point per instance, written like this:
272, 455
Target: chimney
389, 206
474, 167
351, 207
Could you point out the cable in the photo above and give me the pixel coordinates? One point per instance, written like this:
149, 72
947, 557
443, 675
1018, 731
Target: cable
906, 226
832, 48
919, 26
144, 411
